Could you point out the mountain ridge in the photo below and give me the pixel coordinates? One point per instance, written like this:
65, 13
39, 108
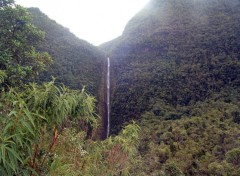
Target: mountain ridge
175, 70
174, 49
75, 59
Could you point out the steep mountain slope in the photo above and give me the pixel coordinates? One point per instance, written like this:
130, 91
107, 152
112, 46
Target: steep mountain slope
176, 71
76, 62
174, 53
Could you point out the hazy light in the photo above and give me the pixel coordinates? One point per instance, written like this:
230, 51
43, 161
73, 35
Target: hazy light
96, 21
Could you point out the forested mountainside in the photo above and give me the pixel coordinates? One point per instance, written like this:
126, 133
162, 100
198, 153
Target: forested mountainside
76, 62
176, 71
178, 52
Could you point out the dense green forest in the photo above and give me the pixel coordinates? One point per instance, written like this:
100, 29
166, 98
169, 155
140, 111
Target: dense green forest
47, 128
175, 83
175, 70
180, 52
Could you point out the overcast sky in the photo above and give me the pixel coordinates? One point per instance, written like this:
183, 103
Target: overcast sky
96, 21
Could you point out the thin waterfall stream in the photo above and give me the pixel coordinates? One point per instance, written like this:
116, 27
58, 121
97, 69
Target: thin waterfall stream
108, 97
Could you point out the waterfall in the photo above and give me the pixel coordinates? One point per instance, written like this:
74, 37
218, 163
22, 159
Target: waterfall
108, 97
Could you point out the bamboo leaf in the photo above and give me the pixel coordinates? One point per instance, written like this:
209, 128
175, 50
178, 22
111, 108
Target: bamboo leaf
9, 125
28, 127
12, 113
15, 154
3, 154
27, 113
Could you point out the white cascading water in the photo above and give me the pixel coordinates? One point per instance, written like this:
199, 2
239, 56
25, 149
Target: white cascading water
108, 97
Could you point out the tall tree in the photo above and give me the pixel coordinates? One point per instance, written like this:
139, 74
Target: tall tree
19, 59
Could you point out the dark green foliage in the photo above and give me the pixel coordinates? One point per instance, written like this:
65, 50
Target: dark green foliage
236, 117
172, 170
178, 51
204, 144
176, 69
233, 156
76, 63
19, 59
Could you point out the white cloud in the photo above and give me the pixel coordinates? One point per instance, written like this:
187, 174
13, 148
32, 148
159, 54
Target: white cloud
96, 21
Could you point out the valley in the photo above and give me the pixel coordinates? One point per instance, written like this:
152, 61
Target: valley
162, 99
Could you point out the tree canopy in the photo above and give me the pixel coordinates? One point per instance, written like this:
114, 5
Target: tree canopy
19, 59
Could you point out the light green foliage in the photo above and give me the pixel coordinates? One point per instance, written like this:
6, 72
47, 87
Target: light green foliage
2, 76
115, 156
30, 123
233, 156
217, 168
18, 39
59, 103
198, 145
172, 170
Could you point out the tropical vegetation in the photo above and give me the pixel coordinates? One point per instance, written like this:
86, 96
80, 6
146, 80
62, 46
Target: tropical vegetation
175, 70
47, 128
174, 94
